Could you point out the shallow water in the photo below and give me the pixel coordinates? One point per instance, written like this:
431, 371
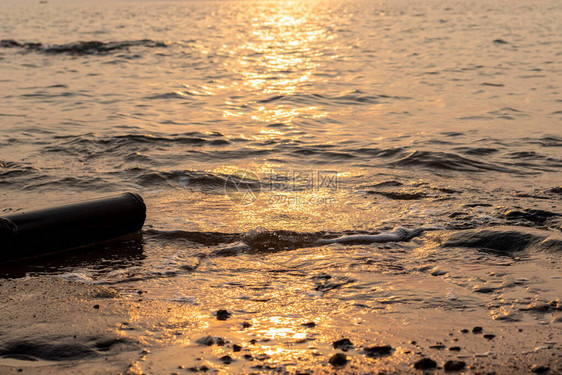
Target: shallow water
318, 157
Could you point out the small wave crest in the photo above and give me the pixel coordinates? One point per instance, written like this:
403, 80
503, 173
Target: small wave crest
261, 240
397, 235
506, 240
93, 47
449, 161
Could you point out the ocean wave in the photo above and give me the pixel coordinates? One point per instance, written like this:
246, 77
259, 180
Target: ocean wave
534, 216
348, 98
169, 160
478, 151
181, 178
501, 239
506, 240
10, 172
262, 240
204, 238
547, 141
88, 145
93, 47
450, 161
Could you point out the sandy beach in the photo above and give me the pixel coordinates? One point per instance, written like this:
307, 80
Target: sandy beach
50, 325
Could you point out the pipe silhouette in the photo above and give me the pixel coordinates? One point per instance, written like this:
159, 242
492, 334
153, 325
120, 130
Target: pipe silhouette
70, 226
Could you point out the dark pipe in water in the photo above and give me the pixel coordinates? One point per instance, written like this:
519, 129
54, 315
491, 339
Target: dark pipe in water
75, 225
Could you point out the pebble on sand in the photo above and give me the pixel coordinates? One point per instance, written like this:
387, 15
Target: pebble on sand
453, 365
477, 329
226, 359
210, 340
438, 346
338, 359
343, 344
223, 314
540, 369
425, 364
378, 351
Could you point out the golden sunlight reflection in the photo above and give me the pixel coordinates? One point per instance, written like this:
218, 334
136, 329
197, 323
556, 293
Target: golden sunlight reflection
279, 55
287, 115
281, 327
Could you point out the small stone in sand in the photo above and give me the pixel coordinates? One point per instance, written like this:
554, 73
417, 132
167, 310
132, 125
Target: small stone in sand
464, 330
309, 325
236, 348
489, 336
226, 359
452, 365
338, 359
223, 314
483, 288
246, 325
206, 340
437, 346
377, 351
96, 306
197, 369
500, 41
455, 348
343, 344
477, 329
540, 369
425, 364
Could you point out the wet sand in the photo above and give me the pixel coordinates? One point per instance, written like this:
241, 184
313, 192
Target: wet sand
52, 326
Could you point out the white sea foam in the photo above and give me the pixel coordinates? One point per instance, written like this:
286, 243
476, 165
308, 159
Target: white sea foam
78, 277
397, 235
